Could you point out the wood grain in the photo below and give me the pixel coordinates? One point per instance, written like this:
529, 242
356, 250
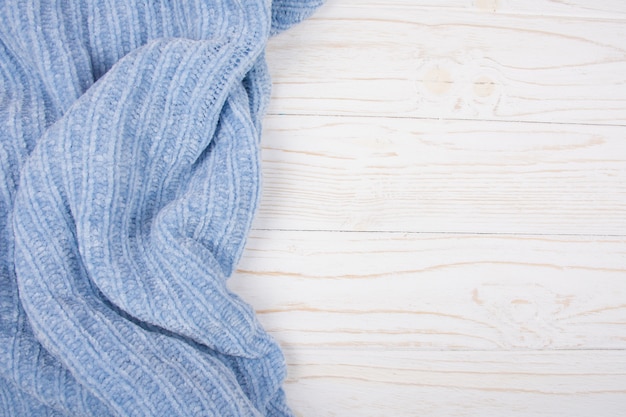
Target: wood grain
448, 64
443, 384
442, 230
424, 291
341, 173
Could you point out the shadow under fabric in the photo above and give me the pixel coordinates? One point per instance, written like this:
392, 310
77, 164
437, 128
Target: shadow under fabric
129, 177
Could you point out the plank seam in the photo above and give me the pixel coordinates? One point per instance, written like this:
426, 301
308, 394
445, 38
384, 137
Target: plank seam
363, 116
445, 233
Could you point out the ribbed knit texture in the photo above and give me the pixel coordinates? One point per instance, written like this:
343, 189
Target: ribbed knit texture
129, 177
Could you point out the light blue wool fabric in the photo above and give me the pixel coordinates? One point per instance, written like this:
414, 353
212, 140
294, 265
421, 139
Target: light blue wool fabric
129, 176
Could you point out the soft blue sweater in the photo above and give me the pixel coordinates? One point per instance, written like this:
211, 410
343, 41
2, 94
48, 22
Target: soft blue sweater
129, 176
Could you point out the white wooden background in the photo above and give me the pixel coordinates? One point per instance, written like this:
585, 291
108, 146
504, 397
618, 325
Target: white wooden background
443, 227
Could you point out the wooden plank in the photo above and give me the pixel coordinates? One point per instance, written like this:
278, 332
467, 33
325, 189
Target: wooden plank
325, 173
607, 9
446, 64
346, 383
423, 291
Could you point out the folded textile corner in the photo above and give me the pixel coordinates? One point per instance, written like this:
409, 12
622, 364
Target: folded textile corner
129, 177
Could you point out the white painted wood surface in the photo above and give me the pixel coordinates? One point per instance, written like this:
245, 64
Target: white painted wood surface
387, 174
408, 61
437, 291
443, 224
418, 383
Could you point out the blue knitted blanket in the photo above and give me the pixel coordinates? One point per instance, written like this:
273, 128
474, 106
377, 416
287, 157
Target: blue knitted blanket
129, 176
